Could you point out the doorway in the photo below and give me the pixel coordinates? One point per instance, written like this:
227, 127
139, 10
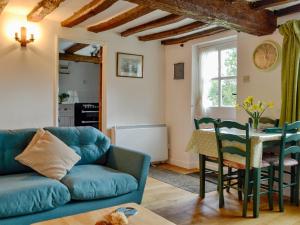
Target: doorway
80, 84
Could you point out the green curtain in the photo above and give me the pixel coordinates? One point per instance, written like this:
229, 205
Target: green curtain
290, 74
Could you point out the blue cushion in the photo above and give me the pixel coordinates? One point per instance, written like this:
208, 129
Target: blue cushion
88, 142
30, 193
12, 143
89, 182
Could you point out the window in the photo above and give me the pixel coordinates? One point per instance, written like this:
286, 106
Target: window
218, 69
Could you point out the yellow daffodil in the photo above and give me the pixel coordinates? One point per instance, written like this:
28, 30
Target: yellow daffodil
254, 110
270, 104
249, 100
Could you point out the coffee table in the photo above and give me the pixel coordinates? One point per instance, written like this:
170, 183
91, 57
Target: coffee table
144, 217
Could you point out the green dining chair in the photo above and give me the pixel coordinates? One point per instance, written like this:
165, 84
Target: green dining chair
289, 156
208, 121
243, 149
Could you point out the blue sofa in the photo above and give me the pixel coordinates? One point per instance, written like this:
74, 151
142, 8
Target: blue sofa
106, 175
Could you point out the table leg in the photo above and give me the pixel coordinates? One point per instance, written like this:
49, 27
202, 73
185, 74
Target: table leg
256, 191
202, 175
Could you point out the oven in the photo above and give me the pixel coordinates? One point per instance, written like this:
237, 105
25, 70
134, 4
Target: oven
87, 114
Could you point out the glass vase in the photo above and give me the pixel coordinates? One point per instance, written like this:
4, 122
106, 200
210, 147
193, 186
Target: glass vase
255, 123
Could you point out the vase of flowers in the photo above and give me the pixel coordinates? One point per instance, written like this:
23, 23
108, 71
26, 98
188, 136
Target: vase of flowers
255, 110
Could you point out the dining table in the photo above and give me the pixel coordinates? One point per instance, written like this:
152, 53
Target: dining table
203, 142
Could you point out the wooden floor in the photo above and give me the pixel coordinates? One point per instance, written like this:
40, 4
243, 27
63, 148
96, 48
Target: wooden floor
176, 169
183, 208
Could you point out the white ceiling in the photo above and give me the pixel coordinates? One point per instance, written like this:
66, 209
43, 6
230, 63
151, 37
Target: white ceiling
68, 7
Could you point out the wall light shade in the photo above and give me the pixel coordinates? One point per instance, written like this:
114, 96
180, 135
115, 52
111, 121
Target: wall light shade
14, 23
23, 39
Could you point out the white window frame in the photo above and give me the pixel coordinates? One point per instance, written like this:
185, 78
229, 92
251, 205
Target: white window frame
219, 47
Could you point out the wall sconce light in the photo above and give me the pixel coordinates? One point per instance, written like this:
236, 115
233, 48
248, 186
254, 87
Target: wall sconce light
23, 40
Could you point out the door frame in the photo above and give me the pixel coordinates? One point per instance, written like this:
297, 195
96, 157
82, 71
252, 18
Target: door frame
102, 86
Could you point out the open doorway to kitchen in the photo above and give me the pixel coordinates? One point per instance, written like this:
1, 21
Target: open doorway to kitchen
79, 84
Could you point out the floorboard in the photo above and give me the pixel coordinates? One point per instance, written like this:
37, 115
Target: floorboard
185, 208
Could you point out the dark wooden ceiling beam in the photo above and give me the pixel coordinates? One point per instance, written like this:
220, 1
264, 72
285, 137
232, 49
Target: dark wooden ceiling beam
173, 32
75, 47
169, 19
87, 11
262, 4
121, 19
190, 37
79, 58
3, 4
236, 15
288, 10
42, 9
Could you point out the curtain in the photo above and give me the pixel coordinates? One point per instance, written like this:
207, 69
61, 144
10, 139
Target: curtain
201, 81
290, 74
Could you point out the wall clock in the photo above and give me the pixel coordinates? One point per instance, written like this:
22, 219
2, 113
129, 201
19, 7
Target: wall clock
266, 55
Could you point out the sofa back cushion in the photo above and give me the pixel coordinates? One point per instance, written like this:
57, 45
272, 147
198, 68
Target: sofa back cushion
12, 143
88, 142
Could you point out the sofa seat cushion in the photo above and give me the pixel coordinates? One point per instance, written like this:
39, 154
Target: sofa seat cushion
28, 193
89, 182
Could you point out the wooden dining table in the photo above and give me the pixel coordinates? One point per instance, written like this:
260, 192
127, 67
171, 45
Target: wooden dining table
203, 142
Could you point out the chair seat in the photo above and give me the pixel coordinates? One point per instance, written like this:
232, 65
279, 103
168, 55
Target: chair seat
240, 166
274, 159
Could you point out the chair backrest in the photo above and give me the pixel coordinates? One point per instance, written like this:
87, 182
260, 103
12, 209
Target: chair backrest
205, 120
289, 140
266, 120
236, 144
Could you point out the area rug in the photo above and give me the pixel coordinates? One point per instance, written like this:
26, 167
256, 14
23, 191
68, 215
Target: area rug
189, 182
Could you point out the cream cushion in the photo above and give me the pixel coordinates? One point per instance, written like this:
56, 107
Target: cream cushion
48, 155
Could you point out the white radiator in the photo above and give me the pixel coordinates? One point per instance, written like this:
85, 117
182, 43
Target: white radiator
149, 139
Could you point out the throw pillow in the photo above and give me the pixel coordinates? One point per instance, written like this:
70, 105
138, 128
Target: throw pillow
48, 155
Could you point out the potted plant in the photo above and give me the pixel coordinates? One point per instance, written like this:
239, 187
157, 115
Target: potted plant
255, 110
63, 97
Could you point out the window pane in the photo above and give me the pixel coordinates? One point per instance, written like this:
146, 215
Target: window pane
228, 62
213, 93
228, 89
209, 64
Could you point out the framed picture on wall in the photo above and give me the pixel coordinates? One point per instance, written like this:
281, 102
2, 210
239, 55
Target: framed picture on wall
129, 65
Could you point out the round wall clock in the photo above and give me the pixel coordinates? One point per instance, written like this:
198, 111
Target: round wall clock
266, 55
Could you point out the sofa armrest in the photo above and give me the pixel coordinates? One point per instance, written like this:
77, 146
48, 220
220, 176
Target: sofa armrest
131, 162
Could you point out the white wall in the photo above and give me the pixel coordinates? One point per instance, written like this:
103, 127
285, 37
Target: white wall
179, 116
83, 78
263, 85
28, 78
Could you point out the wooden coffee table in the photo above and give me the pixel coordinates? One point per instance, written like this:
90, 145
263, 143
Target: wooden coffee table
144, 217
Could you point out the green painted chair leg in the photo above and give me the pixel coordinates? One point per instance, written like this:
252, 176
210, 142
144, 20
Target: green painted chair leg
240, 184
250, 188
220, 186
202, 175
246, 192
256, 191
270, 188
293, 180
297, 180
280, 191
229, 181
